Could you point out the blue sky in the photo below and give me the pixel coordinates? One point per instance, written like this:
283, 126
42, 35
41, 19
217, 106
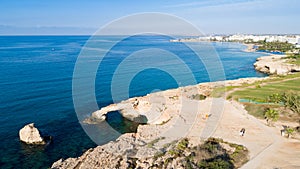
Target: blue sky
210, 16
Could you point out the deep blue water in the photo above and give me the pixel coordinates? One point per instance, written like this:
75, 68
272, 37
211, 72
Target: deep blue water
36, 86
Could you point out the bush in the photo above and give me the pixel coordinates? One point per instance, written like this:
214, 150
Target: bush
290, 131
215, 164
258, 86
291, 100
271, 115
158, 154
275, 98
174, 152
183, 144
198, 97
209, 155
211, 145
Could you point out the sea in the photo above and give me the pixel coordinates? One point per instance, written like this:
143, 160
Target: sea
37, 78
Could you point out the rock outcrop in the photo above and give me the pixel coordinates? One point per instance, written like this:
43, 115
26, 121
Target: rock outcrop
118, 154
151, 146
160, 107
125, 108
31, 135
180, 154
275, 64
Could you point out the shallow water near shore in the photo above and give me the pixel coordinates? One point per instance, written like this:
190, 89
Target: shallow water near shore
36, 86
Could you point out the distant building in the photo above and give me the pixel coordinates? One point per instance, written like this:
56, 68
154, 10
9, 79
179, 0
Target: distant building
298, 42
292, 39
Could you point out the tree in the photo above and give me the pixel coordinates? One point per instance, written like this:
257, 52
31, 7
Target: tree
271, 116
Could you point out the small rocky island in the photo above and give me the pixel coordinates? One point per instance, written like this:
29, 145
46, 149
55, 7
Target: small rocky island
31, 135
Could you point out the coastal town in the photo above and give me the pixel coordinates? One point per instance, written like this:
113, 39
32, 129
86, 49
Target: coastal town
248, 38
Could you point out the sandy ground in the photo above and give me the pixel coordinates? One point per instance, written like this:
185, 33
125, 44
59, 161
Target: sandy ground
268, 149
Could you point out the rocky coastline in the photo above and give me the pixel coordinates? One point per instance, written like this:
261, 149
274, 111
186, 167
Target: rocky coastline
168, 123
275, 65
151, 145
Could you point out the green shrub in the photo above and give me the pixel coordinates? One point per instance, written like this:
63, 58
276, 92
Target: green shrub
292, 101
158, 154
215, 164
271, 115
275, 98
198, 97
211, 145
290, 131
167, 161
183, 144
174, 152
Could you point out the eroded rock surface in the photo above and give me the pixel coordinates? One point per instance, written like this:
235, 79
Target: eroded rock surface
275, 64
31, 135
169, 121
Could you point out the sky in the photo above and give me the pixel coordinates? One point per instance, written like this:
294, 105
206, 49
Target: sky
210, 16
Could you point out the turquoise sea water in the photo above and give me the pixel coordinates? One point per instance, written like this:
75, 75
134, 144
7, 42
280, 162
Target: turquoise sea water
36, 86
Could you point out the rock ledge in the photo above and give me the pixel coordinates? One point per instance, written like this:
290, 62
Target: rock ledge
275, 64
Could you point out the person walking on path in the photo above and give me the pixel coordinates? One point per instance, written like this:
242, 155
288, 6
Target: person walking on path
242, 132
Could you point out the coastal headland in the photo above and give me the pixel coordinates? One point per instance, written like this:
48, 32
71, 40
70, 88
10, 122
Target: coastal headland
276, 64
195, 113
163, 117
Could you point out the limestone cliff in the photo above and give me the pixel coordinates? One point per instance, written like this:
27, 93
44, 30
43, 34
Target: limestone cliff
275, 64
172, 115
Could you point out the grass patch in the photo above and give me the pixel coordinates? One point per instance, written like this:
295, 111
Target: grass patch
261, 93
269, 94
256, 110
294, 59
220, 91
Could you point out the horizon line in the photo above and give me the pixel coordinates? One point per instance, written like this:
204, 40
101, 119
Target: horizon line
211, 34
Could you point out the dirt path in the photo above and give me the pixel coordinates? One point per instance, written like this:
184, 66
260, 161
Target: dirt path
280, 152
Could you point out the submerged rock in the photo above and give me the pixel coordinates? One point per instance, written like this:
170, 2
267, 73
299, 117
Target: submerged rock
31, 135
